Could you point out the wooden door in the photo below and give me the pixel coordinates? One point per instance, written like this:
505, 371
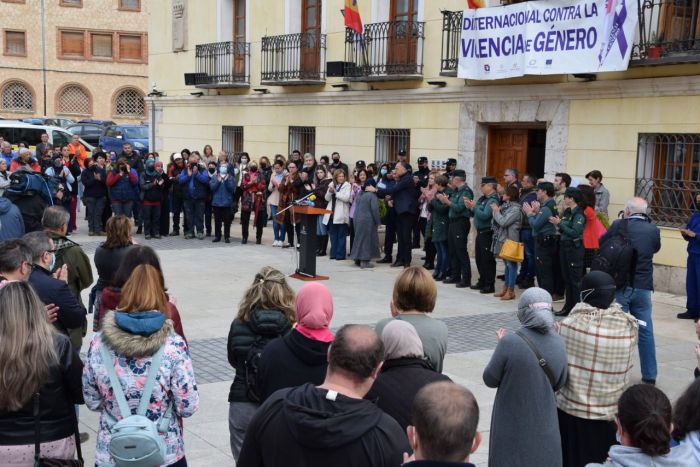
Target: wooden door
402, 39
507, 148
310, 42
239, 36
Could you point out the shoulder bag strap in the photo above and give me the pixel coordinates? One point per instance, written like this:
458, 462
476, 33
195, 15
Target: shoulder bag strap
540, 359
150, 381
76, 433
37, 442
116, 384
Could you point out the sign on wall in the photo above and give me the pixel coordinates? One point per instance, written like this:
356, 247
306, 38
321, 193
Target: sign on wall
547, 37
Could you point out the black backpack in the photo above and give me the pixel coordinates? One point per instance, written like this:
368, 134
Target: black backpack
617, 257
252, 368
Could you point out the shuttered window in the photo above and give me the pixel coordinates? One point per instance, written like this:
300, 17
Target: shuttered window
101, 45
130, 47
15, 43
73, 43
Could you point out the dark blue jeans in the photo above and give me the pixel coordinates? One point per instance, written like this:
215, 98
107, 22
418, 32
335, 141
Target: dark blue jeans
443, 263
194, 212
527, 268
339, 233
122, 207
95, 207
638, 303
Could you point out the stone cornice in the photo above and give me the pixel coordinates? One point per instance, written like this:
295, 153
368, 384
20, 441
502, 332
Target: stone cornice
606, 89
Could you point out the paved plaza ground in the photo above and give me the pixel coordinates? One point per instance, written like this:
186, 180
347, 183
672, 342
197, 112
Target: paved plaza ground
208, 279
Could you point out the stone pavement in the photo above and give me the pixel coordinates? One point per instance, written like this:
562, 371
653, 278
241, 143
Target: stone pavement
208, 280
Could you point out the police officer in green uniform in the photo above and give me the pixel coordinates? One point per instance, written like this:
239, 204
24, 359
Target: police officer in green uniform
458, 230
483, 215
571, 250
545, 233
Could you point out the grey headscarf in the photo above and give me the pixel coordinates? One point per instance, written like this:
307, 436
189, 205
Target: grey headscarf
535, 310
401, 340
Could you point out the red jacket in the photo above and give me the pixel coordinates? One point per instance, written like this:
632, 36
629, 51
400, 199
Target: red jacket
110, 300
254, 183
593, 231
33, 164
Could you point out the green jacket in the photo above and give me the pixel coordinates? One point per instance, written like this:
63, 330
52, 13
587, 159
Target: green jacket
439, 219
482, 211
457, 208
540, 222
572, 224
79, 269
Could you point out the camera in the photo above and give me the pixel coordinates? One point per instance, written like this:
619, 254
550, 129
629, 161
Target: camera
193, 165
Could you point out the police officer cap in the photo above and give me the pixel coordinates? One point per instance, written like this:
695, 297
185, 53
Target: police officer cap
460, 173
422, 159
485, 180
402, 152
451, 161
546, 186
360, 163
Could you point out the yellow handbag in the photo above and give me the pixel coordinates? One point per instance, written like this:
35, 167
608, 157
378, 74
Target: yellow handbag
512, 251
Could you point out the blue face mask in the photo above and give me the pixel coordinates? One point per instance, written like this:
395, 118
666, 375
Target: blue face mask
53, 263
223, 170
383, 172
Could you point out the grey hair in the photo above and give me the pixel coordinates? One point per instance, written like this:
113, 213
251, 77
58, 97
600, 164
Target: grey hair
25, 151
54, 218
38, 243
637, 205
5, 144
512, 172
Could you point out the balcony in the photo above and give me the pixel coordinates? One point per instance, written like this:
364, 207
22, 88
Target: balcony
294, 59
385, 52
669, 32
222, 65
451, 35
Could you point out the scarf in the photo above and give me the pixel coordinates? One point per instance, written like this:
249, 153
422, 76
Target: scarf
401, 340
314, 307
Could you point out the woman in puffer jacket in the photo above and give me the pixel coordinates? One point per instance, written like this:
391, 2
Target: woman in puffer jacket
506, 226
133, 334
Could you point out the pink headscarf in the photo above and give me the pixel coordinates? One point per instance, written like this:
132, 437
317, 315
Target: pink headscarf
314, 306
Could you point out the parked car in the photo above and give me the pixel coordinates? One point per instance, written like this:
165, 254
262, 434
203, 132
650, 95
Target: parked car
90, 132
115, 136
52, 121
102, 123
16, 132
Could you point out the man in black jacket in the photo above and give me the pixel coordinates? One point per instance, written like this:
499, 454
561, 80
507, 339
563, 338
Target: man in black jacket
94, 179
329, 424
71, 314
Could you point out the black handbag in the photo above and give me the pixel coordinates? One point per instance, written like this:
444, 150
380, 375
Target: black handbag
49, 462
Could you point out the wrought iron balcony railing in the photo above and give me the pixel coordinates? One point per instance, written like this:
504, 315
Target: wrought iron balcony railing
451, 35
222, 64
294, 59
669, 32
391, 50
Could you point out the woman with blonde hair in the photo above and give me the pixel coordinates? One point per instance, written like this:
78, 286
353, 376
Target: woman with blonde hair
266, 311
134, 338
39, 380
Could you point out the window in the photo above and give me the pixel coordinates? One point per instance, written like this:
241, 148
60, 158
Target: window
388, 142
131, 5
130, 47
232, 140
15, 43
101, 45
17, 97
302, 138
60, 138
129, 103
74, 100
668, 175
72, 44
76, 3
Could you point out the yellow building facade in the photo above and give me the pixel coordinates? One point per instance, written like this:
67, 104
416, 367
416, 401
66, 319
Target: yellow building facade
76, 59
269, 77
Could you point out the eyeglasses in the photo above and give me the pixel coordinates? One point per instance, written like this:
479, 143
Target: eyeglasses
52, 251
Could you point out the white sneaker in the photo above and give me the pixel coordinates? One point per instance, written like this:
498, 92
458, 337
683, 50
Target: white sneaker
277, 243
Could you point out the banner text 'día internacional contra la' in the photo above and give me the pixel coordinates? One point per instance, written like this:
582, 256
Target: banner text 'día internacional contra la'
547, 37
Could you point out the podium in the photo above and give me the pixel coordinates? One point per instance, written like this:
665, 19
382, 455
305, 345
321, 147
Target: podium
308, 243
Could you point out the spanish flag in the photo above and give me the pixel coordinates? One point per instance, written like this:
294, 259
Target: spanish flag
352, 16
474, 4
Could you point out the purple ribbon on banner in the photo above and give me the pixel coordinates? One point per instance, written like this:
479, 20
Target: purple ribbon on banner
619, 22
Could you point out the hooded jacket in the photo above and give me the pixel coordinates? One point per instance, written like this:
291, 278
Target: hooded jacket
264, 324
291, 361
56, 400
626, 456
11, 222
131, 355
308, 426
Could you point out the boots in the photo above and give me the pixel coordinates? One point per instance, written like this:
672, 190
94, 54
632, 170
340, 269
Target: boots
502, 292
509, 294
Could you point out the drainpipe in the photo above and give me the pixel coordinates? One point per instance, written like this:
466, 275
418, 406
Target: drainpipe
43, 51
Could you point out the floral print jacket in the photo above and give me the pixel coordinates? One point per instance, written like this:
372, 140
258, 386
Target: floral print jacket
132, 353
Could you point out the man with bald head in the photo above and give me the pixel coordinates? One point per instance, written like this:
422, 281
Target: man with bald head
635, 296
330, 424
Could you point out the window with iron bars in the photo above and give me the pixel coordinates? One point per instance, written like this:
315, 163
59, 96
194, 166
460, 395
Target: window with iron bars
388, 142
232, 141
668, 175
302, 138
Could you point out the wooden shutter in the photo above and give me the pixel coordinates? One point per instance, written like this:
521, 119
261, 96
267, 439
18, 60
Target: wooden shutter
15, 43
72, 43
102, 45
130, 47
